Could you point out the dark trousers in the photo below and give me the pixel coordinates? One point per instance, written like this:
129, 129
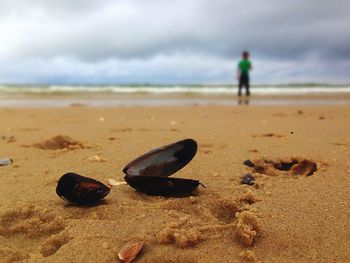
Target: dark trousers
243, 82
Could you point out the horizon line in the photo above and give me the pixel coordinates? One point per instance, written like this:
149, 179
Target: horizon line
175, 84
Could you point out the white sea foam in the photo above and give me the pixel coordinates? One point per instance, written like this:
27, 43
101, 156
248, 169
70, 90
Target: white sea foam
172, 89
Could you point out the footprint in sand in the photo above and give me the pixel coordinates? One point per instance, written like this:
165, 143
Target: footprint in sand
210, 218
294, 166
28, 231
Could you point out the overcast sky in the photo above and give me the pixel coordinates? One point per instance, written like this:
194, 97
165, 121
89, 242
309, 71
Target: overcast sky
177, 41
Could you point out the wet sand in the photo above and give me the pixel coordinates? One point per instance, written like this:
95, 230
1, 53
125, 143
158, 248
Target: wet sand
283, 217
20, 100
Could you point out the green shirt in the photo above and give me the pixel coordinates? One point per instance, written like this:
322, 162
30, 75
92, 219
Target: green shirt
244, 66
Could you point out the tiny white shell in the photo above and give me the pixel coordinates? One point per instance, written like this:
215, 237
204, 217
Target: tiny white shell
114, 182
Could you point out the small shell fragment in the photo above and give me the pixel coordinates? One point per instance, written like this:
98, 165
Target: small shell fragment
129, 252
248, 179
96, 158
6, 161
113, 182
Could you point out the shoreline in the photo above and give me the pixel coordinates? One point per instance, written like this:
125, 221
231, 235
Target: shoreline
115, 100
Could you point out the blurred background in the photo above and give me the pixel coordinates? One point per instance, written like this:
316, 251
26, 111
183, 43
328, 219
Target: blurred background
155, 46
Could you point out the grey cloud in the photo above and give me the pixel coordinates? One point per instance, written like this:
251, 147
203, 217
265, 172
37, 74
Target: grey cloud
53, 7
271, 29
290, 29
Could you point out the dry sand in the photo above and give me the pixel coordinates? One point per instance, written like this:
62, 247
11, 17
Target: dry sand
283, 217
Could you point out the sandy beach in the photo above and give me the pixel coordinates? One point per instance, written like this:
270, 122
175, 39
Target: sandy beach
285, 216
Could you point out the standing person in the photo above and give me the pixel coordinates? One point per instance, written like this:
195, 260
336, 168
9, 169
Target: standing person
244, 66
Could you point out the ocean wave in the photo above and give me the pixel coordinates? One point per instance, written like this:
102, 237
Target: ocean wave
202, 90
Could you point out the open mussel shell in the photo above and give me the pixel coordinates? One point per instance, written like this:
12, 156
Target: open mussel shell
80, 189
149, 172
164, 186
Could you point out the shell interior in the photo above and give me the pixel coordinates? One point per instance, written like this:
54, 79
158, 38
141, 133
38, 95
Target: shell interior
163, 161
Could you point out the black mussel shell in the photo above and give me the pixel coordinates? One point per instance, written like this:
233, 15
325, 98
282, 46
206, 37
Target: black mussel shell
165, 186
149, 172
79, 189
249, 163
248, 179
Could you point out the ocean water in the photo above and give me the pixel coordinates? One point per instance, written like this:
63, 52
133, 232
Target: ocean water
169, 95
300, 89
